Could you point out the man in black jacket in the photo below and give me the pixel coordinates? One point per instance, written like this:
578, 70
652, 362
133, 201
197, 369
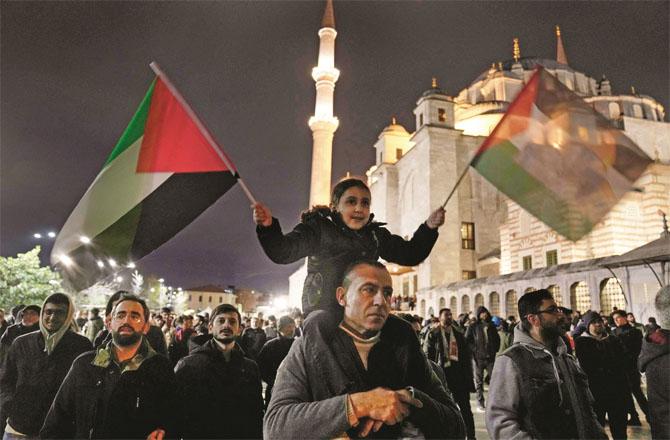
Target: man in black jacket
274, 351
36, 365
30, 317
253, 338
122, 390
154, 335
227, 383
484, 342
631, 339
447, 347
603, 360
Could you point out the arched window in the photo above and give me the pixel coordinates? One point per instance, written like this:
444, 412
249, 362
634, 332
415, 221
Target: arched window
529, 289
494, 303
479, 300
430, 312
465, 304
580, 297
443, 303
422, 307
453, 305
614, 110
556, 293
611, 295
511, 303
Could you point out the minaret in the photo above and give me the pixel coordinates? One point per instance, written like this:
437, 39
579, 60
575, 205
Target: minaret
561, 57
323, 124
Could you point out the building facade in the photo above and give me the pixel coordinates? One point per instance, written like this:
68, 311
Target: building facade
489, 250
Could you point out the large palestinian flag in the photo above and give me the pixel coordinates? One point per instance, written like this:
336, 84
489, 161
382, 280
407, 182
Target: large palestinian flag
558, 158
162, 174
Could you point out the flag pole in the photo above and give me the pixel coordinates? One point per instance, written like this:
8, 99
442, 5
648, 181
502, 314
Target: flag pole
157, 70
458, 182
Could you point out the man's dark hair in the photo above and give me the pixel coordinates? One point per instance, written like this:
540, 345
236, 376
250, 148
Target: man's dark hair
137, 299
443, 310
529, 304
58, 298
225, 308
618, 312
285, 321
112, 300
166, 310
95, 312
346, 281
16, 310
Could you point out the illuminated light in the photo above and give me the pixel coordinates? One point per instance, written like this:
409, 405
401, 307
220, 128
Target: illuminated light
52, 234
152, 290
556, 145
131, 265
161, 280
37, 235
119, 279
112, 262
179, 289
101, 264
67, 261
84, 239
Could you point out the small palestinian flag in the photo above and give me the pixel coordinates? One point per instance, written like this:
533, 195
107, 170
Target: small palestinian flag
162, 174
558, 158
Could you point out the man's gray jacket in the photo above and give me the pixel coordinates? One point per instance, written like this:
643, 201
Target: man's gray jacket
537, 394
309, 399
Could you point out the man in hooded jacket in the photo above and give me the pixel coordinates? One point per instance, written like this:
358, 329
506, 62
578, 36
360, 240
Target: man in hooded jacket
484, 342
538, 391
35, 367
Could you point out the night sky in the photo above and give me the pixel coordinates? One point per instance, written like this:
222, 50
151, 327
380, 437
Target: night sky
73, 73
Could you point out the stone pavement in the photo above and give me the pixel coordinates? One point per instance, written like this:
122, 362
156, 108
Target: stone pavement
634, 432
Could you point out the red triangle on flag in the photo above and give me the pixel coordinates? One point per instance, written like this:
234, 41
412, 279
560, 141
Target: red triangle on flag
172, 140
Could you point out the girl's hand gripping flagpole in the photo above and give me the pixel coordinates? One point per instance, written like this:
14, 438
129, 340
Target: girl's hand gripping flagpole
157, 70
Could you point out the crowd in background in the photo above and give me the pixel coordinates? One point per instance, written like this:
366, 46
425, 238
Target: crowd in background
463, 357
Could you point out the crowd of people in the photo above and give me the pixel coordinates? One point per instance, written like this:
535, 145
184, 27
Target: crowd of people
353, 368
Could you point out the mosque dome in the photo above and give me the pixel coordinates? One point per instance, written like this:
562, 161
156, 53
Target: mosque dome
394, 127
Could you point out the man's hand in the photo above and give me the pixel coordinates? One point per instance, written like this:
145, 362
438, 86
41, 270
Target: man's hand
157, 434
436, 219
383, 405
263, 215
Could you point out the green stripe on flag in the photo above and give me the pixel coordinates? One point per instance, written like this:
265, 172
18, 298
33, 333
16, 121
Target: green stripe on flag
135, 128
499, 167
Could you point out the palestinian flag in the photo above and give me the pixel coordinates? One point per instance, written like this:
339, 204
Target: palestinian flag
558, 158
162, 174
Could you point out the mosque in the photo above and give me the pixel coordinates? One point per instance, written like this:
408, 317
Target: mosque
490, 251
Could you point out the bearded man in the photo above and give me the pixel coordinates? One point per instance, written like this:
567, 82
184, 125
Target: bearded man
538, 390
122, 390
224, 380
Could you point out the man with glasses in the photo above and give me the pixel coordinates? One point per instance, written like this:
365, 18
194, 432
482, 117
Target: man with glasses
537, 389
35, 367
122, 390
